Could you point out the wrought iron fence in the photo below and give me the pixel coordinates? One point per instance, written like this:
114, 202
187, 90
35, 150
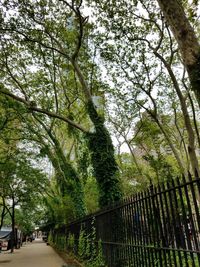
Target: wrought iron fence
157, 227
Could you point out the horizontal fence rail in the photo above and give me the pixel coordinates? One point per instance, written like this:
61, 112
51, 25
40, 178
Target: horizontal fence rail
157, 227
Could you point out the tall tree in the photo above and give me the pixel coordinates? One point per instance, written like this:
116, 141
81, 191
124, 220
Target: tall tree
20, 183
66, 175
186, 38
47, 33
143, 62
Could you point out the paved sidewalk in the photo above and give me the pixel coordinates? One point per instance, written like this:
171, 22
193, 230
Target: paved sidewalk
35, 254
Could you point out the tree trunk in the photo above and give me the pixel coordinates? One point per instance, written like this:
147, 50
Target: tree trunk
191, 137
13, 226
3, 213
194, 119
171, 145
102, 151
66, 175
103, 160
186, 116
186, 38
70, 181
182, 140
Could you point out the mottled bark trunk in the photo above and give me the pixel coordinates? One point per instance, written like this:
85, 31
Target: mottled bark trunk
13, 226
191, 135
195, 120
186, 116
186, 38
3, 213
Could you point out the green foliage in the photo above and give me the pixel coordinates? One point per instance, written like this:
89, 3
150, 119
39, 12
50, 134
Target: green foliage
70, 242
99, 261
47, 78
132, 180
59, 209
88, 247
89, 250
144, 71
30, 215
69, 180
20, 180
60, 242
162, 167
82, 244
155, 151
103, 161
50, 238
66, 181
84, 167
91, 195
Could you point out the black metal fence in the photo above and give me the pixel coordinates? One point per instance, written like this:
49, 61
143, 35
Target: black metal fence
158, 227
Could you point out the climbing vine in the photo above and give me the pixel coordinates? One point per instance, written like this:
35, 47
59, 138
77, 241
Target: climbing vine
89, 249
103, 160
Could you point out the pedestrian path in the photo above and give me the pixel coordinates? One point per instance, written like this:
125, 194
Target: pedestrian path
35, 254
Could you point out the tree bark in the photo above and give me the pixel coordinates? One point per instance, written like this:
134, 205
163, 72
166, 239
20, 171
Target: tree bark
194, 119
13, 226
186, 116
186, 38
3, 213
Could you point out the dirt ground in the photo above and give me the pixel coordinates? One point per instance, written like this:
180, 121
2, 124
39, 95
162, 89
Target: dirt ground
35, 254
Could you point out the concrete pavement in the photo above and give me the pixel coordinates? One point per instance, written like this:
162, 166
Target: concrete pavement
35, 254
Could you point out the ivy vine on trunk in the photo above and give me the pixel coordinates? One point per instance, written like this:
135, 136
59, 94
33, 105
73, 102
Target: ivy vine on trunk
103, 160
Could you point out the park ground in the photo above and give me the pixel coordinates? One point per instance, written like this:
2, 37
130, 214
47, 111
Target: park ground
35, 254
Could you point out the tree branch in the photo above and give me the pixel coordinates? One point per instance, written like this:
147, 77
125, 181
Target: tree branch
37, 109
